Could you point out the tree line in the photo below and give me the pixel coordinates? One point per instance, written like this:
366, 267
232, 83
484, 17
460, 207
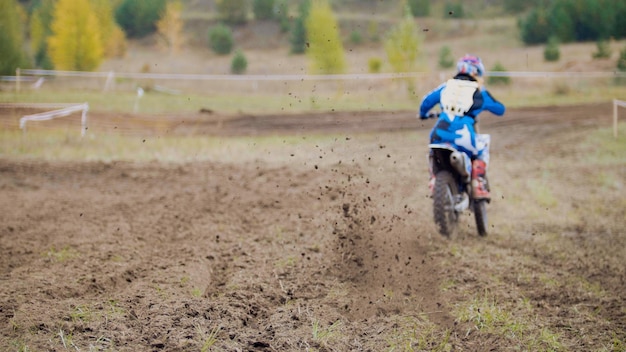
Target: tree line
574, 21
80, 34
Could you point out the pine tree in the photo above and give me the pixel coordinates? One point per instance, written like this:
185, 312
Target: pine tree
325, 49
233, 11
40, 21
263, 9
239, 63
282, 14
221, 39
560, 23
11, 38
170, 26
75, 43
298, 32
551, 52
621, 61
419, 8
138, 17
445, 57
534, 28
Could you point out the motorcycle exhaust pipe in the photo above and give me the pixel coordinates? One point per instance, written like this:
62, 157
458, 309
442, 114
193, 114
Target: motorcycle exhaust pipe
459, 162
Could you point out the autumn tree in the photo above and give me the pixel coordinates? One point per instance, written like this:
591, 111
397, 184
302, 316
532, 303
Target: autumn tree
11, 38
403, 44
111, 34
75, 43
170, 26
325, 49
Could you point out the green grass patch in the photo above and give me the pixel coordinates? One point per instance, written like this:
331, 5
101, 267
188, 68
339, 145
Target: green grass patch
207, 338
324, 335
511, 321
196, 292
602, 148
82, 313
56, 144
378, 95
417, 334
62, 255
546, 95
67, 145
258, 102
19, 346
542, 194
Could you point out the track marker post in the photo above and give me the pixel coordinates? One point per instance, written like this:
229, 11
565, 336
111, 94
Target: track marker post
18, 72
140, 93
616, 103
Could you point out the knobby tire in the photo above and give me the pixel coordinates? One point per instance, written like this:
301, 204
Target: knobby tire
445, 191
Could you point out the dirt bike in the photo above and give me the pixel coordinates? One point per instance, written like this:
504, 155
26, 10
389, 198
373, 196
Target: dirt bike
452, 192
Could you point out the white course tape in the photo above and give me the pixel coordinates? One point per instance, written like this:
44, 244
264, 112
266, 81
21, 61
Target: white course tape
49, 115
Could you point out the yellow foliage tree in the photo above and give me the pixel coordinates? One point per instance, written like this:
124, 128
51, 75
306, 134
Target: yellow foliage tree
37, 31
111, 34
325, 48
75, 43
170, 26
11, 38
402, 45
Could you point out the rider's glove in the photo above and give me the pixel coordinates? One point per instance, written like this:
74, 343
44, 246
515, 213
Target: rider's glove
422, 117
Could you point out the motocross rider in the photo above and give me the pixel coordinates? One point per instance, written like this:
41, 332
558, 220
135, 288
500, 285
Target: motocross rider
461, 99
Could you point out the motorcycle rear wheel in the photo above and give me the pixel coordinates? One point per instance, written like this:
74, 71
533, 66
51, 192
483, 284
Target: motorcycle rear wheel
444, 196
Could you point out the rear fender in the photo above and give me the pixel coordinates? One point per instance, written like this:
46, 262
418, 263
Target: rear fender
457, 160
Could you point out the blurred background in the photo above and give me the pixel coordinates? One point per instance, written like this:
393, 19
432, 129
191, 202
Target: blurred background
262, 56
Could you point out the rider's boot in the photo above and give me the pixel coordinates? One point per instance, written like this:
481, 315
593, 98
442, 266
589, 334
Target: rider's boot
479, 180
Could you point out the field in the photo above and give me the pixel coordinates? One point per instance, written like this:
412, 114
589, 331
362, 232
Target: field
285, 234
259, 219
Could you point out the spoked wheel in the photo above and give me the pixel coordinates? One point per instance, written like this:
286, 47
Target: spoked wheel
480, 214
444, 196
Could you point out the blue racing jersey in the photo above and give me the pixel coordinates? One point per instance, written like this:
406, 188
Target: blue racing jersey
459, 129
482, 101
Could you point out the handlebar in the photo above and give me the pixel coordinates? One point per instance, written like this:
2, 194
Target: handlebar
430, 115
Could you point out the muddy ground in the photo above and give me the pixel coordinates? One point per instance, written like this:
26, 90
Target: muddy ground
324, 244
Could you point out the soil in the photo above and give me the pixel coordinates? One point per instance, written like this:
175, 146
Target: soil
328, 248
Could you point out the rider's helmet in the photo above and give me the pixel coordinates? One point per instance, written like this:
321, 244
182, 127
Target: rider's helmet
471, 65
